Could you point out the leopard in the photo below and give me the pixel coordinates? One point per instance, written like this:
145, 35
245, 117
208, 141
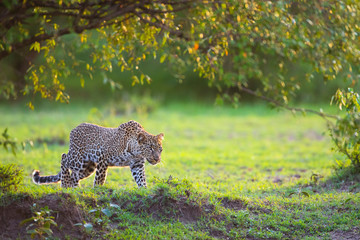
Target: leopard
95, 148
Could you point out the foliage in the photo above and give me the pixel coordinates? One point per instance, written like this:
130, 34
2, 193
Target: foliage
125, 33
6, 141
345, 134
240, 42
11, 176
233, 44
41, 222
299, 192
100, 217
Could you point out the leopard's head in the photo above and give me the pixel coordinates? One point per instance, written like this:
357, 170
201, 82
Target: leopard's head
151, 146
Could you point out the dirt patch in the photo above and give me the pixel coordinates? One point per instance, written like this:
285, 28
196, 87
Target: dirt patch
65, 212
161, 206
178, 208
343, 181
344, 235
236, 204
259, 210
11, 216
217, 234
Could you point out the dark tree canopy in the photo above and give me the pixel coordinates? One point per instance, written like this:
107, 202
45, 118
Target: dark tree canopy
230, 43
111, 32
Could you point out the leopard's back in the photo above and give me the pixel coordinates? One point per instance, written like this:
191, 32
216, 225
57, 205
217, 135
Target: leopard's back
90, 136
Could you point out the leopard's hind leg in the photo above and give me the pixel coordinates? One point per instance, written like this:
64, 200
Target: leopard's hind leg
65, 172
87, 170
76, 167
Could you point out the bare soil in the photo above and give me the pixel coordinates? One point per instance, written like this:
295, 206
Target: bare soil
65, 212
159, 206
353, 234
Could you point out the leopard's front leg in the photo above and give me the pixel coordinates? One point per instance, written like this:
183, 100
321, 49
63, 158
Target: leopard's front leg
138, 172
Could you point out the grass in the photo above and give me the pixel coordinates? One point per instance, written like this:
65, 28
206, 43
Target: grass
226, 173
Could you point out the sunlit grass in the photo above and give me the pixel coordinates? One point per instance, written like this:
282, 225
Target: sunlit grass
223, 149
250, 153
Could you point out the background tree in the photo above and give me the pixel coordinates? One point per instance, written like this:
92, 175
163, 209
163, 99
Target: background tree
269, 49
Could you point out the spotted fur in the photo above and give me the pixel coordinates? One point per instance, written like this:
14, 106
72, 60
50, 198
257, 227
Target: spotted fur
93, 147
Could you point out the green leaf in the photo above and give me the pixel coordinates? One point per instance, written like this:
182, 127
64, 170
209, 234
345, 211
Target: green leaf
82, 82
88, 226
93, 210
114, 205
291, 193
107, 212
306, 194
26, 221
48, 231
47, 224
5, 134
135, 80
163, 57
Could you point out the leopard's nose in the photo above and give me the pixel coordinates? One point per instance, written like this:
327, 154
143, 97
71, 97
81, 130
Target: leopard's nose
157, 157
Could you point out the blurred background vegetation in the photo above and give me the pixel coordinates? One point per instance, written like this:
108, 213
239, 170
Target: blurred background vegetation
164, 87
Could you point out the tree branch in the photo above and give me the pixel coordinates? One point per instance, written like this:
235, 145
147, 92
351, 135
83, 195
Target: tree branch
278, 104
163, 26
95, 13
29, 41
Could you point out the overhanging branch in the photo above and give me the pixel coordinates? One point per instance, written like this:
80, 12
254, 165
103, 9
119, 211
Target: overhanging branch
294, 109
82, 16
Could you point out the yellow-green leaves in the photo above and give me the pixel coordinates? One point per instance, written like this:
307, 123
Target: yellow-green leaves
35, 47
82, 82
30, 105
136, 80
163, 57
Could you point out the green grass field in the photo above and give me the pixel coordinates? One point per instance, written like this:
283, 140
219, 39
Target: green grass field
228, 173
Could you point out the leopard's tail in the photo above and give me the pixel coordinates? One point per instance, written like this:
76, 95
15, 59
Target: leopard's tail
45, 179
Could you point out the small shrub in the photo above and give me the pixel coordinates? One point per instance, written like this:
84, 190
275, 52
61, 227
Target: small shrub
11, 175
41, 223
346, 131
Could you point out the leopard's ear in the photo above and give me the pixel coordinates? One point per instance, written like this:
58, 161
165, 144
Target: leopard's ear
141, 138
160, 136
